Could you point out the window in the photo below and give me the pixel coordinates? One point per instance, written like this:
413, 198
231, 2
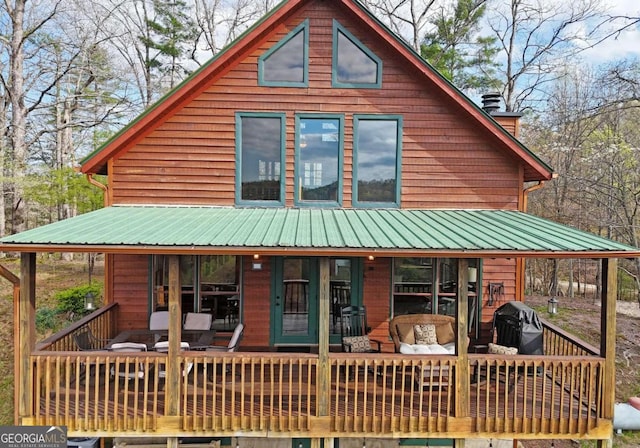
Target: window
354, 65
209, 284
377, 148
287, 63
429, 285
260, 152
319, 160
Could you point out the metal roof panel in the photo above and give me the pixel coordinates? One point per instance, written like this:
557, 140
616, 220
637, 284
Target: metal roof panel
281, 229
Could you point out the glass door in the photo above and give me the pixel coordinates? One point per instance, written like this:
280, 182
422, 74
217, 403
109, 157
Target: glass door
294, 302
295, 297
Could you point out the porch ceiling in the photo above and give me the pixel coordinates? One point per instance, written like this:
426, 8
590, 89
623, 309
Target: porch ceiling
288, 231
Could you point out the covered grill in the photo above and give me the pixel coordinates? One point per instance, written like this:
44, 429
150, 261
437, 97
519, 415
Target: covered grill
517, 325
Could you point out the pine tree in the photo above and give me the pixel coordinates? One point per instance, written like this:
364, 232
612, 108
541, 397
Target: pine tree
457, 52
171, 32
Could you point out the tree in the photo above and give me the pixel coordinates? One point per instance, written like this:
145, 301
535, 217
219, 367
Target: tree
536, 38
219, 22
171, 33
403, 14
454, 48
22, 45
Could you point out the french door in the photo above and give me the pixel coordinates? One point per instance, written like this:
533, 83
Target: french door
294, 298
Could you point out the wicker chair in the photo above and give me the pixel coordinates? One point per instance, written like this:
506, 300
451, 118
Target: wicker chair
401, 327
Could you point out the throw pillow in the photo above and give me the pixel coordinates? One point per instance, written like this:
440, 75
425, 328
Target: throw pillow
358, 344
425, 334
635, 402
445, 333
501, 349
405, 333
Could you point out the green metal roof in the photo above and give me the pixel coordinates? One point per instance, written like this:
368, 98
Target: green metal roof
157, 229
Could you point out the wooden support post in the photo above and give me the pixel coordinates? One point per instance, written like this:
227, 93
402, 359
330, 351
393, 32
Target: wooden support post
462, 377
608, 336
26, 330
173, 370
324, 369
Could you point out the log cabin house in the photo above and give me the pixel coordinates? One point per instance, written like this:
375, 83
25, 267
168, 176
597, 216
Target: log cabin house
316, 161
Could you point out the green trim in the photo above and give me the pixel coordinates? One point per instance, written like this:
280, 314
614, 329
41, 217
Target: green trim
307, 203
302, 28
339, 29
354, 187
277, 296
238, 187
186, 81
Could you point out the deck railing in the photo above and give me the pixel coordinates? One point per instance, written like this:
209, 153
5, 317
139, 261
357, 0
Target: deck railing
260, 393
102, 323
558, 342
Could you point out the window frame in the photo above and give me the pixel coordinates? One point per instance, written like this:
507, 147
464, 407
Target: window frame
302, 28
238, 136
337, 29
357, 118
317, 203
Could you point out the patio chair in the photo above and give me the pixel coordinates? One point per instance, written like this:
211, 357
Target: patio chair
163, 347
354, 331
234, 342
159, 320
128, 370
85, 340
197, 321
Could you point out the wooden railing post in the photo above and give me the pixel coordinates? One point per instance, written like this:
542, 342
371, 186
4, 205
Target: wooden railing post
463, 381
608, 332
324, 370
25, 323
173, 370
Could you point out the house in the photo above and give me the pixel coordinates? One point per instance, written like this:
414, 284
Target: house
318, 161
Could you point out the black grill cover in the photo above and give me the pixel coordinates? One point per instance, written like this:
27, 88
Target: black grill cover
520, 327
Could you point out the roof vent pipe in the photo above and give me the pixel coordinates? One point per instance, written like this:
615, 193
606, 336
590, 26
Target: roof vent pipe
491, 102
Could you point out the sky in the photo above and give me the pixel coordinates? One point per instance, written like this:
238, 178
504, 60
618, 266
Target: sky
625, 45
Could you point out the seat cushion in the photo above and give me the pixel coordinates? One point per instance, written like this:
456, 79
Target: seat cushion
425, 334
501, 349
358, 344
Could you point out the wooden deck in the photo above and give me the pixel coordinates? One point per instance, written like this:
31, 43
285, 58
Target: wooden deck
274, 393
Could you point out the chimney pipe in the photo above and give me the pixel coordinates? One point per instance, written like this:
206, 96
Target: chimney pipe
491, 102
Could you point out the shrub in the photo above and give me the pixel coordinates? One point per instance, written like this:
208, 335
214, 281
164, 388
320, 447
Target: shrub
71, 301
46, 319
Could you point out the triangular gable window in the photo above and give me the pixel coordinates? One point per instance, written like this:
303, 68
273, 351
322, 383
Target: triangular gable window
287, 63
354, 65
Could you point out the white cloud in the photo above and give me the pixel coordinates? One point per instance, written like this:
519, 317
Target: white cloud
625, 44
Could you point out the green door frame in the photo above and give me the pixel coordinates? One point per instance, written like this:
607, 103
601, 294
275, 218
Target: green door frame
277, 294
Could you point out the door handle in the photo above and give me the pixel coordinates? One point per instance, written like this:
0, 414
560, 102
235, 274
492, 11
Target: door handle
277, 300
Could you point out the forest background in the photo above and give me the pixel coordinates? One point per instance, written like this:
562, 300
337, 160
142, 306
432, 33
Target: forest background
74, 72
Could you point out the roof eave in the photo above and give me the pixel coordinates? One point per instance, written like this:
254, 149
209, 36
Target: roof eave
313, 251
